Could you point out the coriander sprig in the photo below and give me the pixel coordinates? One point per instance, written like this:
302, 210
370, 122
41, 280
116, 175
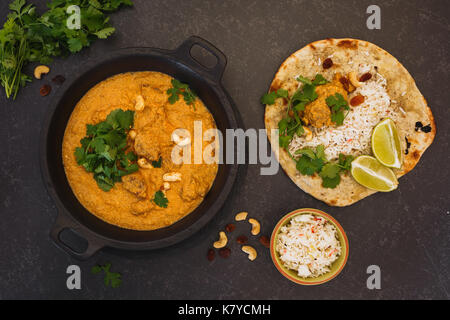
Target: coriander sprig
29, 37
113, 279
338, 105
183, 89
313, 161
102, 151
291, 124
160, 199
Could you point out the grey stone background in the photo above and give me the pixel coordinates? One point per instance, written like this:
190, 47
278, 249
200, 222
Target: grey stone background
405, 232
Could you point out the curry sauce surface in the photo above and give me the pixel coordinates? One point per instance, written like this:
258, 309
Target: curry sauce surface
129, 203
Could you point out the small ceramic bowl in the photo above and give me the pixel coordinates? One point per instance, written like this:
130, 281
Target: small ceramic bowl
292, 275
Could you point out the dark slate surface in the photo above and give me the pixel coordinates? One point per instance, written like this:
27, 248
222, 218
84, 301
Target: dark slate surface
405, 232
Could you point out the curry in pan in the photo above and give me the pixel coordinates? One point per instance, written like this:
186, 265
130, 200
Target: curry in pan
118, 149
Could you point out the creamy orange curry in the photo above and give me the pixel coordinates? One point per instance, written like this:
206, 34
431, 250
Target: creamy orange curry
129, 203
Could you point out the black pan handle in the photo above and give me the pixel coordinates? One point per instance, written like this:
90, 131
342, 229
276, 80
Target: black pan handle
183, 52
62, 223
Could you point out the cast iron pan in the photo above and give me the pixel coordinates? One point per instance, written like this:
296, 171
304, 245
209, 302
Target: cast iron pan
180, 64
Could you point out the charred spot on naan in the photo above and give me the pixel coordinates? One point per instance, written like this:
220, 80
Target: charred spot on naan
348, 44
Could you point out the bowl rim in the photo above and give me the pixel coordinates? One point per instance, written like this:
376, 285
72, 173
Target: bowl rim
281, 268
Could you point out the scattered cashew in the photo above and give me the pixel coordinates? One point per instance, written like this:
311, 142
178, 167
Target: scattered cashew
132, 134
40, 70
222, 242
353, 79
256, 228
140, 104
172, 176
180, 141
241, 216
252, 254
308, 133
143, 163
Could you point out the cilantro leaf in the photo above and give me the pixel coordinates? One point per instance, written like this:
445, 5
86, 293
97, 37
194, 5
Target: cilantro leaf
269, 98
285, 140
313, 161
304, 80
157, 164
331, 183
320, 152
292, 124
309, 92
160, 199
103, 149
338, 105
309, 163
345, 162
306, 152
75, 45
179, 88
330, 170
308, 166
105, 33
96, 269
113, 279
173, 95
319, 80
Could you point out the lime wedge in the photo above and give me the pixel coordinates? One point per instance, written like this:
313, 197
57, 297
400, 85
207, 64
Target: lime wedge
370, 173
386, 144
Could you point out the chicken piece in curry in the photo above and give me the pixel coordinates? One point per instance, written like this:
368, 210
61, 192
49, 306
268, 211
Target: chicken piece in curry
317, 113
130, 203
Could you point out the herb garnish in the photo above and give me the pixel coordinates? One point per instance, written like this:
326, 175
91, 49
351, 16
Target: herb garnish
27, 37
314, 161
183, 89
160, 199
338, 105
269, 98
157, 164
311, 160
112, 279
291, 124
102, 151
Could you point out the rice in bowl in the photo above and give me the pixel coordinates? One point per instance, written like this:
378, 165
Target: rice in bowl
309, 245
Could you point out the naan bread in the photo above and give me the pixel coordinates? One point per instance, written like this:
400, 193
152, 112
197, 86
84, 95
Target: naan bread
400, 87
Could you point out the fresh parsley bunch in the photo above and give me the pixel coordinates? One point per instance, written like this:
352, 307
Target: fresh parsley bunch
102, 151
28, 37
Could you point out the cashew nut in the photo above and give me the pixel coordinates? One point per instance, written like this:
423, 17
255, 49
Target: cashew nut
256, 228
222, 242
132, 134
241, 216
143, 163
308, 133
353, 79
172, 176
40, 70
180, 141
252, 254
140, 104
